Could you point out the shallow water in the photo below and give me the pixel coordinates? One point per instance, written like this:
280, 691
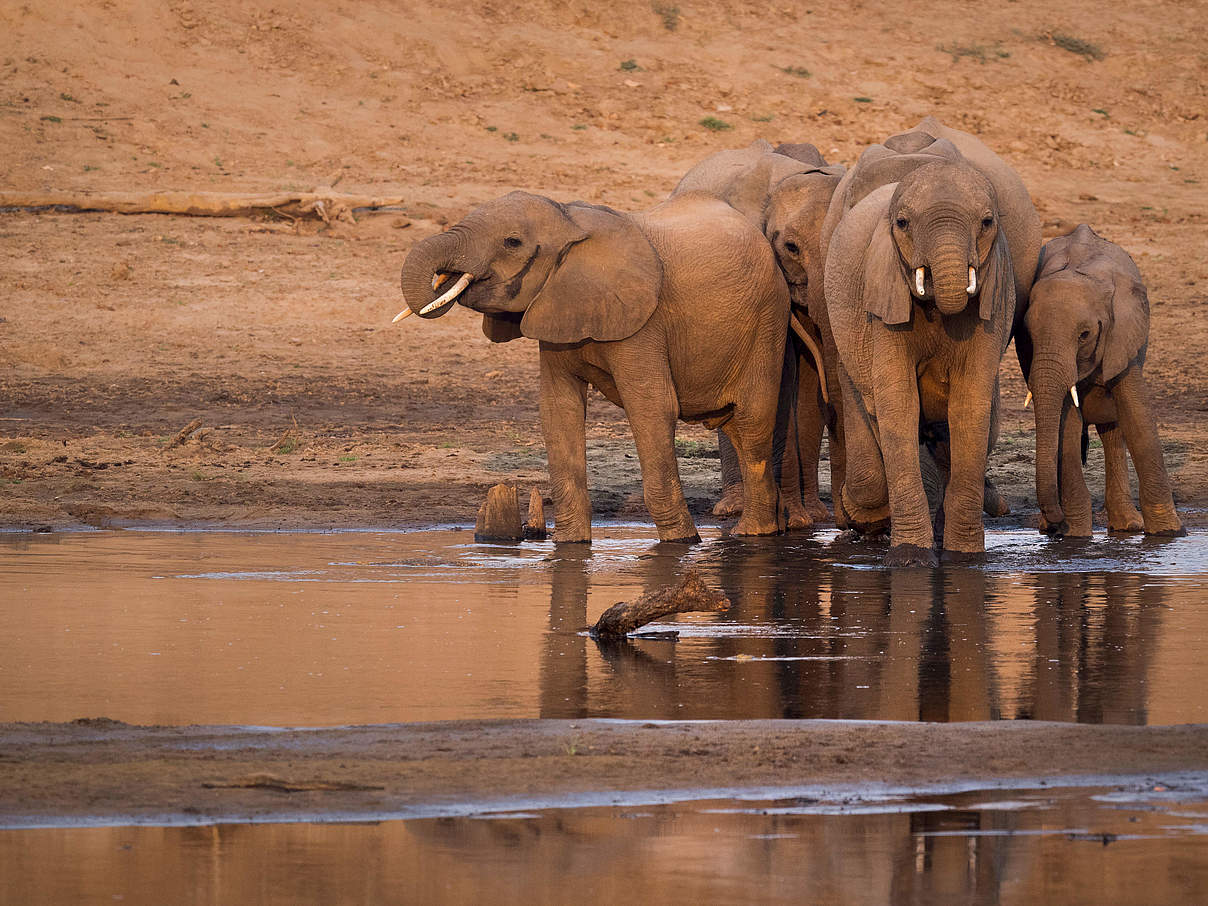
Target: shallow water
1143, 842
375, 627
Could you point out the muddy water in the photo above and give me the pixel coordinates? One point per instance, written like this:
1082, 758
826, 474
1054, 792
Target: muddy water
1143, 842
352, 628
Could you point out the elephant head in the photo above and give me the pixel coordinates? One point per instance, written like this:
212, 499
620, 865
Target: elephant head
560, 273
1088, 318
940, 244
793, 216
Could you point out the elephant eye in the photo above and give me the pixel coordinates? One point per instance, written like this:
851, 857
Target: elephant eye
987, 222
1084, 336
512, 242
902, 223
792, 248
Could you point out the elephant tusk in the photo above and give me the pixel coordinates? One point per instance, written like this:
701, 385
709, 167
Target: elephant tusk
799, 329
452, 293
1027, 402
972, 287
405, 313
919, 277
438, 279
1074, 394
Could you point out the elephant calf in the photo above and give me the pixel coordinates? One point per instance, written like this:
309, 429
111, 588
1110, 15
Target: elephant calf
1082, 346
677, 313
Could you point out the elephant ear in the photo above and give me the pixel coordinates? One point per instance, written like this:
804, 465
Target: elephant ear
1130, 323
503, 327
604, 284
996, 300
884, 290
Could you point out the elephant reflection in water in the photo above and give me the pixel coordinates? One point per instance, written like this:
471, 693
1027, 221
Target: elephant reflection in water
641, 679
1096, 640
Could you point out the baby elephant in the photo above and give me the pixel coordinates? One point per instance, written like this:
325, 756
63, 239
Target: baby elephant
677, 313
1082, 345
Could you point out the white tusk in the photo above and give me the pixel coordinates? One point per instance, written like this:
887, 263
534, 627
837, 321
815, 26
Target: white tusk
1074, 394
972, 287
438, 279
919, 274
405, 313
1028, 401
453, 292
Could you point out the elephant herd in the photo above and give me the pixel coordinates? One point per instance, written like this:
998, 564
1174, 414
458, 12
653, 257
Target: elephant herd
777, 297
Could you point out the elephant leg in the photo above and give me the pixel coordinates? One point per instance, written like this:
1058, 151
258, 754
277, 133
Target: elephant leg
1141, 436
796, 516
993, 503
836, 425
1122, 515
731, 479
911, 538
563, 424
652, 409
864, 494
970, 418
1075, 496
811, 422
761, 514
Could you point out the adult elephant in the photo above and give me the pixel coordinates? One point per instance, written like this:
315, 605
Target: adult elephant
1082, 347
888, 162
921, 297
677, 313
785, 192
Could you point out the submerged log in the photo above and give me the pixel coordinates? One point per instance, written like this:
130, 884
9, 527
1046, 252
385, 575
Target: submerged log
499, 516
535, 529
690, 596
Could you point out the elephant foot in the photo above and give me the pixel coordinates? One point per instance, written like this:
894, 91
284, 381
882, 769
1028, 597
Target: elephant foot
1163, 522
816, 509
904, 555
751, 526
687, 539
730, 503
1125, 521
1053, 529
994, 504
866, 521
962, 557
797, 518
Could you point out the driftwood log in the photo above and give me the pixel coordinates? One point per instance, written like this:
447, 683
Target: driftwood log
499, 516
535, 529
323, 203
690, 596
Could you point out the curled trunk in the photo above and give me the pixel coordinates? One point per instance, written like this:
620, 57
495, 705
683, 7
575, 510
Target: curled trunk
433, 255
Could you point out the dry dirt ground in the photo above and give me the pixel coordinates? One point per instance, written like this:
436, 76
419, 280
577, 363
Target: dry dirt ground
117, 331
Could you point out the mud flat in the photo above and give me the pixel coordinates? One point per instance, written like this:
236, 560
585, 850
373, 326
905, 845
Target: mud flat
94, 772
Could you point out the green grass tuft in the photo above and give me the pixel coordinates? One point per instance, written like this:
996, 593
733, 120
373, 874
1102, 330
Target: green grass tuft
713, 124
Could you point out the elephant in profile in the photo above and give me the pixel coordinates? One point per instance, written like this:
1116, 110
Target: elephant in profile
785, 192
1082, 346
920, 290
679, 313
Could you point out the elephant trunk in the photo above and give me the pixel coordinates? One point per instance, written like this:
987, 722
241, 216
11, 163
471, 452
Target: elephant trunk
442, 253
950, 282
1050, 379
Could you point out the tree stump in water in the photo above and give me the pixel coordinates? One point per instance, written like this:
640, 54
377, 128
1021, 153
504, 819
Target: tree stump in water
535, 529
499, 516
691, 595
